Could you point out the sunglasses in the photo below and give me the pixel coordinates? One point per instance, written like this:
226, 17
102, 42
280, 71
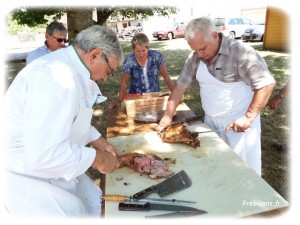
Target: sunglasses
60, 39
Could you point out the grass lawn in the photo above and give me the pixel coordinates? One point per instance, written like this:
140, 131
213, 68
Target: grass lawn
275, 124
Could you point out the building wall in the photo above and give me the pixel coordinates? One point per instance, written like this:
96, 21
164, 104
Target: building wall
256, 14
277, 30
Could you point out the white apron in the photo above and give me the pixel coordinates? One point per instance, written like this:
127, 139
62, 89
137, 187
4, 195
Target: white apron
38, 197
224, 103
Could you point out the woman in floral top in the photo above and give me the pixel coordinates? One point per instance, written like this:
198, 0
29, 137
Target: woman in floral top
142, 67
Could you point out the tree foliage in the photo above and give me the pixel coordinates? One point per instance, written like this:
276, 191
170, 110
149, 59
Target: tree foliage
35, 16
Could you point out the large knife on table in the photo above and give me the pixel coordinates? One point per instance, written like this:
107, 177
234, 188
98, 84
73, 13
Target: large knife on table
128, 199
151, 206
175, 183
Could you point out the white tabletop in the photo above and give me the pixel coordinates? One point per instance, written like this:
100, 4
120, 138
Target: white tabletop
222, 184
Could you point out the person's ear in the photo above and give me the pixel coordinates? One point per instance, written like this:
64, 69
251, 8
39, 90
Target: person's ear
47, 35
95, 54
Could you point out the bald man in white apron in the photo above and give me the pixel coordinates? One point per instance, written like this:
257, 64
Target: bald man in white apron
223, 103
235, 85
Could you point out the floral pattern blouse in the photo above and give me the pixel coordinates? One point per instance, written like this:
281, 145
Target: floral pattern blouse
137, 81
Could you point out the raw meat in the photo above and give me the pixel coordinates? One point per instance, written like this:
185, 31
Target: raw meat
149, 164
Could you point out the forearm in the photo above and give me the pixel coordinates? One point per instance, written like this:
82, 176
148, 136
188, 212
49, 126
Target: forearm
259, 101
174, 100
284, 91
164, 73
122, 92
123, 86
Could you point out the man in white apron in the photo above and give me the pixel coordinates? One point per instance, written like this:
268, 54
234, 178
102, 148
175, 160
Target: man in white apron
235, 85
49, 141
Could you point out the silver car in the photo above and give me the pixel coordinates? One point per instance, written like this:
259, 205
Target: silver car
232, 27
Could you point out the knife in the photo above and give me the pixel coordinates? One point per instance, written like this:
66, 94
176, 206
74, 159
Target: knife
151, 206
188, 120
123, 198
177, 182
208, 131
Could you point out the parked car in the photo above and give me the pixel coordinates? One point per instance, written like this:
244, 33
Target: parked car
254, 32
171, 31
232, 27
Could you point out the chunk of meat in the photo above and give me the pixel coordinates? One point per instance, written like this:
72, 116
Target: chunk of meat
180, 133
149, 164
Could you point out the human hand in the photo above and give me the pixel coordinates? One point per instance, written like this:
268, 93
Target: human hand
239, 125
274, 102
164, 124
102, 144
113, 150
105, 162
114, 104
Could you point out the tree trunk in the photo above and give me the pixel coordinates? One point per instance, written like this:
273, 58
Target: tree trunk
78, 20
103, 14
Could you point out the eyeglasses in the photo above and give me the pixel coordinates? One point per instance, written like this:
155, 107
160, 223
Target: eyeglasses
110, 72
60, 39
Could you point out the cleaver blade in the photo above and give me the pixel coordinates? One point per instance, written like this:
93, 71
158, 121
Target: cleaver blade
175, 183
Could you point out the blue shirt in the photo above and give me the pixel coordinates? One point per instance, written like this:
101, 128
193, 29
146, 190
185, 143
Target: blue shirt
43, 50
138, 82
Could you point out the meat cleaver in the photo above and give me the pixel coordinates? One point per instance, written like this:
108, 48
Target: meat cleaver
175, 183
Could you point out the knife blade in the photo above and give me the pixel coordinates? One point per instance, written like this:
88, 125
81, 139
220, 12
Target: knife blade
175, 183
123, 198
188, 120
151, 206
208, 131
178, 214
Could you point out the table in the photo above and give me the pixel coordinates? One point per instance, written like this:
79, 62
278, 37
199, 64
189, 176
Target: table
222, 184
119, 124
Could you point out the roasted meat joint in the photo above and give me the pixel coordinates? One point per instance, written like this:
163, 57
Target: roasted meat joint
150, 164
180, 133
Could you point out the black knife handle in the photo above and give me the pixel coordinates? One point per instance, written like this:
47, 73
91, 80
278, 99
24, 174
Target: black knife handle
134, 207
144, 193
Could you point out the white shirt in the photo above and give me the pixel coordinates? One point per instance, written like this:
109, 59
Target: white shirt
40, 107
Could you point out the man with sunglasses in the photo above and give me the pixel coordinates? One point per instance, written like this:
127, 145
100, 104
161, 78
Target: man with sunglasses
49, 142
56, 35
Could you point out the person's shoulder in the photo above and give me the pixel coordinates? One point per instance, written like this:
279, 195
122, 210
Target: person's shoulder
129, 57
36, 53
155, 53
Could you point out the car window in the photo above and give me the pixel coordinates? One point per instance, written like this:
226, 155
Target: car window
219, 21
231, 21
247, 21
238, 21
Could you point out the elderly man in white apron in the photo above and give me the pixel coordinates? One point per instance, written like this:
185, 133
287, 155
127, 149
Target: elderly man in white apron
235, 85
49, 140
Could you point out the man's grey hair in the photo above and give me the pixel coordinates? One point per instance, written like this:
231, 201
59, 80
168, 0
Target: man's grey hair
56, 27
101, 37
203, 26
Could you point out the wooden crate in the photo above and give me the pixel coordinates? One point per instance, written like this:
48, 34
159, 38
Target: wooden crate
146, 102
